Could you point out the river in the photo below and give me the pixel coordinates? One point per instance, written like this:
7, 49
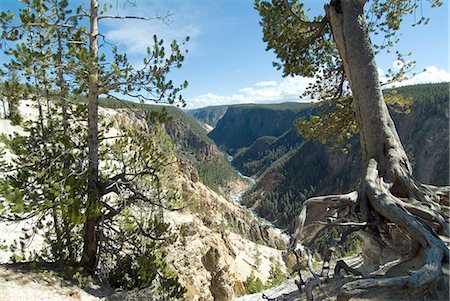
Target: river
237, 199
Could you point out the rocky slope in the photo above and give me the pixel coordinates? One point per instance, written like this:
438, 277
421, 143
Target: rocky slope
190, 140
209, 115
214, 254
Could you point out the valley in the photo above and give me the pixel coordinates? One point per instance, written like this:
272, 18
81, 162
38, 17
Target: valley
243, 183
212, 221
289, 169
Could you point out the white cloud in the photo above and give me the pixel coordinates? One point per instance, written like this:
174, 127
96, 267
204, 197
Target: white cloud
288, 89
292, 88
431, 74
270, 83
137, 37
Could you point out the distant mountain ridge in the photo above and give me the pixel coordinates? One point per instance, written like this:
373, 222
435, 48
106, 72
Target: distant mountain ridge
209, 115
212, 114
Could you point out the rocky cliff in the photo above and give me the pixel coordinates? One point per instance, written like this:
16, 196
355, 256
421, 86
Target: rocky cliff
243, 124
218, 243
209, 115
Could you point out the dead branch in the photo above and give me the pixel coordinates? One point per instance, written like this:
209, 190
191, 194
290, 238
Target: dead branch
311, 283
318, 203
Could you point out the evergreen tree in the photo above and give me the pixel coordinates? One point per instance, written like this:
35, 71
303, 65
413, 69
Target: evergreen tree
337, 49
87, 191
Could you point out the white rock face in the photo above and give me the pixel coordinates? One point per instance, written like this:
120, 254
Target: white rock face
208, 229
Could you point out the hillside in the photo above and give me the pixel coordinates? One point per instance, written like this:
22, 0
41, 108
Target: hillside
243, 124
191, 143
291, 169
209, 115
213, 234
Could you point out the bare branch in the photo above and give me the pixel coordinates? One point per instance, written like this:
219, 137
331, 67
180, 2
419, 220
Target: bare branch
320, 203
132, 17
341, 265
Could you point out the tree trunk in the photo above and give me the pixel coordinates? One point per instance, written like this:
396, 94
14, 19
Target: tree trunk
91, 235
61, 82
379, 138
5, 113
38, 100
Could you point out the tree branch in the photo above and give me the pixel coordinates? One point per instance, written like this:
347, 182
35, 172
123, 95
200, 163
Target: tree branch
132, 17
312, 24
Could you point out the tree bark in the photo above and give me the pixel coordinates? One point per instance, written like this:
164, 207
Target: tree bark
61, 82
379, 138
91, 235
5, 113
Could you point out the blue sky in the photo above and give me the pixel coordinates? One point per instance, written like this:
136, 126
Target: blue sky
227, 61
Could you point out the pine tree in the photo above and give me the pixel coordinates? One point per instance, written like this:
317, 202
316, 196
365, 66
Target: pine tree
337, 49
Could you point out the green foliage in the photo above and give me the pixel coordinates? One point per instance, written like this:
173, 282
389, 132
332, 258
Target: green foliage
48, 178
47, 181
323, 126
427, 95
266, 121
216, 173
308, 51
253, 284
276, 276
139, 271
335, 124
311, 169
11, 91
351, 246
189, 139
280, 205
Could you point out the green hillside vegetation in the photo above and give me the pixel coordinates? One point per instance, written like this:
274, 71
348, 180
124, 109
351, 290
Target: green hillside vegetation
425, 93
253, 160
212, 114
164, 111
283, 106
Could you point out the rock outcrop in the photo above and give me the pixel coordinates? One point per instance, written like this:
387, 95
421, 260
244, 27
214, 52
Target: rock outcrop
222, 282
254, 230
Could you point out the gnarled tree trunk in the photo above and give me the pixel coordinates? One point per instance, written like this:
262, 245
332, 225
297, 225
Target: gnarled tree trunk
379, 138
389, 196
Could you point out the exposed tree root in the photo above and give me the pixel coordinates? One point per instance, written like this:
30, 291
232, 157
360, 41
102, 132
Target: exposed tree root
412, 211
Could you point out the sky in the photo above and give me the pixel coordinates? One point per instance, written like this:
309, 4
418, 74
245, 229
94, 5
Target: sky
227, 61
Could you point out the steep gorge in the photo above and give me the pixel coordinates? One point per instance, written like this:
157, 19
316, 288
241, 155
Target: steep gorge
289, 169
